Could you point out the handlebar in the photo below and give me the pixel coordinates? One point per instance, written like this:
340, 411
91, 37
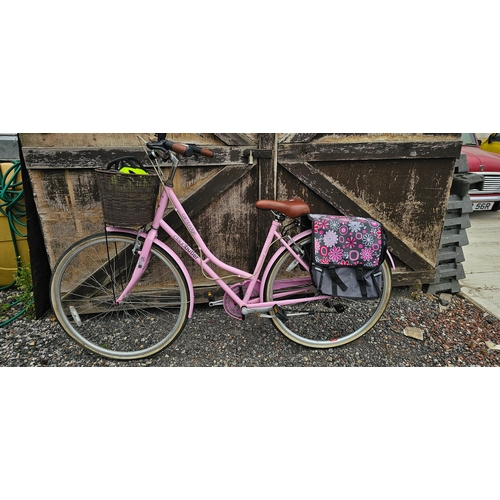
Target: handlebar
177, 147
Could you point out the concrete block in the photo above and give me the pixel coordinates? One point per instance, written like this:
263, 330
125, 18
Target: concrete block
451, 285
461, 164
451, 253
449, 270
457, 218
462, 203
463, 182
455, 236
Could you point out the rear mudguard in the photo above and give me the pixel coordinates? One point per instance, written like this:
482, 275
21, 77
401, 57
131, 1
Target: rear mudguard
172, 254
279, 253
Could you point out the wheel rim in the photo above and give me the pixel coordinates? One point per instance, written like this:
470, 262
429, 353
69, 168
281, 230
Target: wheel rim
90, 277
323, 323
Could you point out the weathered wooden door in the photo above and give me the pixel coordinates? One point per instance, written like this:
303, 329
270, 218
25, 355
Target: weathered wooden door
401, 179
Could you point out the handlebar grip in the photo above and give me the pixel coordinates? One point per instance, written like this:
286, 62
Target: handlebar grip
194, 149
177, 147
205, 152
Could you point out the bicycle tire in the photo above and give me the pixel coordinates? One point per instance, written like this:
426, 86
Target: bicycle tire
89, 277
324, 323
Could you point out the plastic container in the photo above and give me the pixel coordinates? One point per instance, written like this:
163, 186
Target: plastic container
8, 262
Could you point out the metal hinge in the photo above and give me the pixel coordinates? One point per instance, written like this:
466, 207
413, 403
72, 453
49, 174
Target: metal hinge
258, 153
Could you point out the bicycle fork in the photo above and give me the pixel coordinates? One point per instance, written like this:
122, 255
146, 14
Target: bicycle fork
142, 263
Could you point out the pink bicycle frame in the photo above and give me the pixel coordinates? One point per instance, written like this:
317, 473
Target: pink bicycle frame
246, 302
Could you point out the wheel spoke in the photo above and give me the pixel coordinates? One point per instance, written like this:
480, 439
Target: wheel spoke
321, 322
89, 277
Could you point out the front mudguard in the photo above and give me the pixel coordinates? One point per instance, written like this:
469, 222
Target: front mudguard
172, 254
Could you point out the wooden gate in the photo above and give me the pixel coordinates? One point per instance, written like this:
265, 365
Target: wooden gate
401, 179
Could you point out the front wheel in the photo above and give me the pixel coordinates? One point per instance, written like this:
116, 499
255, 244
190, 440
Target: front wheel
324, 323
89, 278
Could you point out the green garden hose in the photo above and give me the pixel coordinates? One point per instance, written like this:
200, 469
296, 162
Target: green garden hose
12, 206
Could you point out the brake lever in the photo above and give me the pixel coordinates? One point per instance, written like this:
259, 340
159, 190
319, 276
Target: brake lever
157, 153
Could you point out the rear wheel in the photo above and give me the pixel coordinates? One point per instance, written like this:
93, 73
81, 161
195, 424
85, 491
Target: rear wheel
89, 278
324, 323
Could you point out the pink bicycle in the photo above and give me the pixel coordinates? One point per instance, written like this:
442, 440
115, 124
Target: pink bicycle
125, 294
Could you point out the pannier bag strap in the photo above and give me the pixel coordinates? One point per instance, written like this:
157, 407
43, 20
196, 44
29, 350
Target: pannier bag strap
361, 281
336, 281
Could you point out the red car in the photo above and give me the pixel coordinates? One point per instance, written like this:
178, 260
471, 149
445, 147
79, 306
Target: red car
488, 166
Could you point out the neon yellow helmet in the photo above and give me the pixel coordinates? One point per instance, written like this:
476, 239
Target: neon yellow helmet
127, 165
127, 169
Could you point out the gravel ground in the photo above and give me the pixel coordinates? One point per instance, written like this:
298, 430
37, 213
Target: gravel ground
456, 334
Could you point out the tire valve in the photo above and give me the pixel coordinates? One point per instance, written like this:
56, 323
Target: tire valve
75, 315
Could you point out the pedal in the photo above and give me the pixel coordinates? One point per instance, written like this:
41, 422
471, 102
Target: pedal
280, 313
216, 303
212, 302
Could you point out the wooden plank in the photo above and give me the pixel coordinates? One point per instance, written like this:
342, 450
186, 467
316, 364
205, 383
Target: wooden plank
94, 157
104, 140
381, 137
40, 266
93, 140
266, 167
50, 158
342, 202
289, 138
82, 140
236, 139
323, 187
367, 151
407, 278
266, 186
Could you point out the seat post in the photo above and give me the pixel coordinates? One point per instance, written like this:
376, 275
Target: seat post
278, 216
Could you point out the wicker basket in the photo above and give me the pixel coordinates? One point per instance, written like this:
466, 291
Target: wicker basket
127, 199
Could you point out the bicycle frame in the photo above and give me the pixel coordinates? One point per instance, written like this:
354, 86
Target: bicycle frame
247, 304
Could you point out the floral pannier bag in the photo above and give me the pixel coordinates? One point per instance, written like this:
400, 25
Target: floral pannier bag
347, 254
